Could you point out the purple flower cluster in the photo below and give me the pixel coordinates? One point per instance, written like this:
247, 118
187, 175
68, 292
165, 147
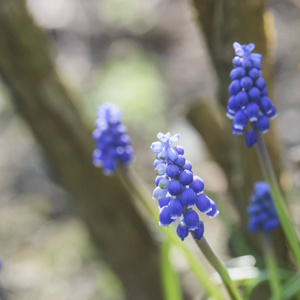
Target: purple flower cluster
263, 216
249, 96
112, 141
177, 190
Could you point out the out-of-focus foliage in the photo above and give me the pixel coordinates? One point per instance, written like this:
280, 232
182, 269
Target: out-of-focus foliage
106, 50
170, 280
133, 83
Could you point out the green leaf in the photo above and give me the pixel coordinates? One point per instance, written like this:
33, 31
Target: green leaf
291, 288
169, 277
263, 277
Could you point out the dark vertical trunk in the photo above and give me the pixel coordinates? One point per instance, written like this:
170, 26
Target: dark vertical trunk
119, 231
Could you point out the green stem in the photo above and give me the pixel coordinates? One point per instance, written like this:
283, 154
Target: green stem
279, 202
219, 266
272, 266
169, 277
135, 186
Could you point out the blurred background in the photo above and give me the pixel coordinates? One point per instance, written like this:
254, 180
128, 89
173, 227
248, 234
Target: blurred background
149, 58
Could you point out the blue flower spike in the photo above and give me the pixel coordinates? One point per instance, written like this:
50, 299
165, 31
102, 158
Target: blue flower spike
248, 102
263, 215
112, 142
178, 191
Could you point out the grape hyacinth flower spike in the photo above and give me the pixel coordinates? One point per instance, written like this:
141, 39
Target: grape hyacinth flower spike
178, 193
249, 96
263, 216
177, 190
264, 219
112, 142
249, 102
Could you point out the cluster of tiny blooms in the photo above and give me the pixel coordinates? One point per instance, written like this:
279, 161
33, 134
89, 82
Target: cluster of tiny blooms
263, 216
249, 96
177, 190
112, 141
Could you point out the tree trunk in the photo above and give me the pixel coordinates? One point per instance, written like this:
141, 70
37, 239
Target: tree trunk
222, 23
117, 228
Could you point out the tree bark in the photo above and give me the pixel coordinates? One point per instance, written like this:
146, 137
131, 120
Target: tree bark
222, 23
120, 233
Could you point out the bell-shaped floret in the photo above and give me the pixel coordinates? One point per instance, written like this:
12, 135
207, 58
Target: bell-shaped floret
234, 87
197, 185
174, 139
233, 106
254, 94
180, 150
191, 219
180, 161
172, 153
253, 73
162, 155
241, 98
265, 105
264, 92
158, 179
173, 171
159, 193
174, 187
163, 183
260, 83
247, 64
237, 61
251, 138
246, 83
187, 166
252, 111
237, 131
256, 58
175, 208
157, 147
164, 138
198, 233
188, 197
186, 177
237, 73
230, 114
165, 217
238, 49
263, 124
249, 48
203, 203
214, 211
164, 201
257, 65
182, 230
240, 120
273, 112
156, 162
160, 169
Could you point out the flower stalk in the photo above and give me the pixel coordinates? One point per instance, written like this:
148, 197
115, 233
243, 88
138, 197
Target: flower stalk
134, 185
219, 266
271, 263
279, 202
